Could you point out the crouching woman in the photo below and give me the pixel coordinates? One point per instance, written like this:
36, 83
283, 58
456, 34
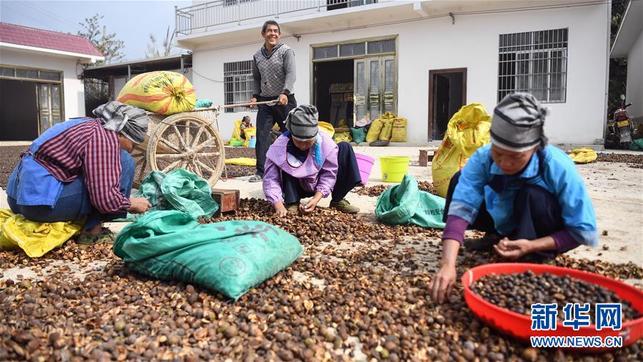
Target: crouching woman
526, 195
81, 170
304, 162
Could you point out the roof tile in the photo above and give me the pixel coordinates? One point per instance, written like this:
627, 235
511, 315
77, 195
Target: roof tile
40, 38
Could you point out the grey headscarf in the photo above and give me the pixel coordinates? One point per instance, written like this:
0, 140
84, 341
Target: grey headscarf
302, 122
518, 122
127, 120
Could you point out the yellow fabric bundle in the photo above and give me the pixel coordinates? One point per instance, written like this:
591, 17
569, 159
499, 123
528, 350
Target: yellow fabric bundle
327, 128
160, 92
241, 161
35, 238
583, 155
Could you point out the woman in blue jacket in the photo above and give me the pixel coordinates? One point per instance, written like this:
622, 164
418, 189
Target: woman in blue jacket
525, 194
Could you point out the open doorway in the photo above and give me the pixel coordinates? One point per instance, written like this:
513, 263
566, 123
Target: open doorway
18, 110
333, 86
447, 93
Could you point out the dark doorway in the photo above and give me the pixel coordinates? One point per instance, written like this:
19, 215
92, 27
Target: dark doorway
18, 110
447, 94
333, 86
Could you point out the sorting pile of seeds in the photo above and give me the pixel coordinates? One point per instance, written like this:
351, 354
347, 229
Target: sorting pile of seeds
376, 190
620, 157
359, 292
545, 288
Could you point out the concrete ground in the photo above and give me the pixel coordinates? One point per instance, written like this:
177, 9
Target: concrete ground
615, 189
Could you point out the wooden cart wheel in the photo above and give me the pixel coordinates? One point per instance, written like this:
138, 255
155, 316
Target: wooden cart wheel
186, 140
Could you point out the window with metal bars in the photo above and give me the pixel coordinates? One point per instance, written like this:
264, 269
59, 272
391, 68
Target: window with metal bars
238, 84
534, 62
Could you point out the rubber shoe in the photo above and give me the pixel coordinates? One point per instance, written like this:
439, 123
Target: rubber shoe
255, 178
344, 206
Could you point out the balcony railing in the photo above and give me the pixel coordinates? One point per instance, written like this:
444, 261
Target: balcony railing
203, 17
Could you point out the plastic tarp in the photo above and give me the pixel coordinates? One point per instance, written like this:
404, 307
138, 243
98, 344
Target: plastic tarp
229, 257
406, 204
35, 238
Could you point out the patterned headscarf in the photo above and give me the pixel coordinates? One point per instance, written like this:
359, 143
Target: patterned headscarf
518, 122
130, 121
302, 122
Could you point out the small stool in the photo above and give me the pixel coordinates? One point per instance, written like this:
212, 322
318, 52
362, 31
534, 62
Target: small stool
425, 157
228, 200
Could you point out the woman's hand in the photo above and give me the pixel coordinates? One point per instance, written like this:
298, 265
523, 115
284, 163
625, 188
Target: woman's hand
139, 205
443, 282
513, 249
283, 99
311, 204
280, 209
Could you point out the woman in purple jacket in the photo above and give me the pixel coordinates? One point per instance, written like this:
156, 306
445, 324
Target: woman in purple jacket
304, 162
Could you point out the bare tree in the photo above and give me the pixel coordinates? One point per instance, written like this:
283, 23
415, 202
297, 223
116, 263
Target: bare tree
97, 90
165, 49
104, 41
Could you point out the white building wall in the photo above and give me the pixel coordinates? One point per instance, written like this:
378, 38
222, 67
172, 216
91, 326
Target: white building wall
635, 79
73, 89
472, 42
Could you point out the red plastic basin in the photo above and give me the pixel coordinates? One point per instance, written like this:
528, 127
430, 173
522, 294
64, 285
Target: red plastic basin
519, 325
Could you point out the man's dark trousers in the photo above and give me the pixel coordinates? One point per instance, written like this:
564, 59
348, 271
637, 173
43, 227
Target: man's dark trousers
266, 119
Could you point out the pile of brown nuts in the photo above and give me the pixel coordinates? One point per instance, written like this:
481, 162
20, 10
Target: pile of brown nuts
376, 190
518, 291
359, 292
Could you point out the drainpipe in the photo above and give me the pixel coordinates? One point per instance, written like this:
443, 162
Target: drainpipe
129, 72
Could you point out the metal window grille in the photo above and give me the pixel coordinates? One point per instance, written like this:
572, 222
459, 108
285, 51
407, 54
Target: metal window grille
238, 84
534, 62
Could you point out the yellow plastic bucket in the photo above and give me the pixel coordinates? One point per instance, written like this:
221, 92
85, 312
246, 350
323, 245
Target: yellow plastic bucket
394, 168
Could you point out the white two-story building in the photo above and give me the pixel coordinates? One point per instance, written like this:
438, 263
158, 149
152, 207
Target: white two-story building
420, 59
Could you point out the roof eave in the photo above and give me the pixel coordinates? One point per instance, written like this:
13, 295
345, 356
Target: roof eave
629, 30
82, 58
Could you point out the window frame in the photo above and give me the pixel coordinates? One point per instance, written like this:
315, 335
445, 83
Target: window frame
511, 59
234, 78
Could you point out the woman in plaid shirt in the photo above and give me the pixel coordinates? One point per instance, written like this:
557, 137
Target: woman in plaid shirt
81, 170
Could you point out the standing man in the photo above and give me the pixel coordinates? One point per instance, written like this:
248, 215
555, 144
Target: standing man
273, 70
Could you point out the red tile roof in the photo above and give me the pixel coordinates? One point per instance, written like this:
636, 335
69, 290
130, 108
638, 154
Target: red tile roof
40, 38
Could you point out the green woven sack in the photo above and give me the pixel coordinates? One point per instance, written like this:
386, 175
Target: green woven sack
406, 204
178, 190
229, 257
358, 134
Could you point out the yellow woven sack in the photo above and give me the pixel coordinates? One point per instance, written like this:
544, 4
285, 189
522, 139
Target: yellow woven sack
387, 130
583, 155
327, 128
160, 92
374, 131
399, 130
35, 238
241, 161
467, 130
342, 137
